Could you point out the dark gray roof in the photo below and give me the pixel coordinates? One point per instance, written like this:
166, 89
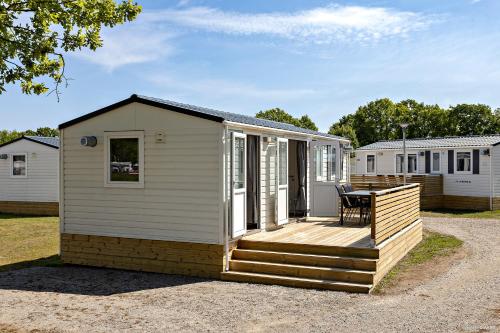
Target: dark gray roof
46, 140
201, 112
444, 142
241, 119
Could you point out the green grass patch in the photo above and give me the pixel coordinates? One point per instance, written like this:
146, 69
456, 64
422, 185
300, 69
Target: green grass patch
488, 214
433, 245
28, 241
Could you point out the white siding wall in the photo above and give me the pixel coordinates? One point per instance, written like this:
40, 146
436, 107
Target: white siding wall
181, 199
453, 184
42, 182
495, 151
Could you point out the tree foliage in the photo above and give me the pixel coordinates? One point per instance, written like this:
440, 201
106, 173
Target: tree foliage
35, 34
282, 116
381, 119
6, 136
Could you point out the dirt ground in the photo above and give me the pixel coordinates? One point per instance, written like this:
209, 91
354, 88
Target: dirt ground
463, 297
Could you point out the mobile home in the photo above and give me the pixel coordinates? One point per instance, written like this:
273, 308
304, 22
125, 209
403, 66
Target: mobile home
468, 167
29, 176
149, 172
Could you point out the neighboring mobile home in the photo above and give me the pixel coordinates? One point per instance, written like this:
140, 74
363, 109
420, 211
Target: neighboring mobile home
29, 176
146, 172
469, 167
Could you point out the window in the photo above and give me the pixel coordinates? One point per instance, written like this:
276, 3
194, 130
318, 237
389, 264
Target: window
239, 162
326, 163
332, 165
436, 162
412, 163
283, 162
370, 163
124, 159
18, 166
464, 161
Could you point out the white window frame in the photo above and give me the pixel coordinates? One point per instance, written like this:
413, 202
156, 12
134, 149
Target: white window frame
12, 165
407, 159
374, 164
456, 151
432, 161
107, 174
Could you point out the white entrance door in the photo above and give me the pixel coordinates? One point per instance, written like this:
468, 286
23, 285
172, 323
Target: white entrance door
238, 187
324, 164
282, 182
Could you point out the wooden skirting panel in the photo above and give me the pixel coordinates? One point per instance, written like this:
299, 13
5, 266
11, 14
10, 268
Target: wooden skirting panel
192, 259
496, 203
394, 249
431, 201
30, 208
465, 202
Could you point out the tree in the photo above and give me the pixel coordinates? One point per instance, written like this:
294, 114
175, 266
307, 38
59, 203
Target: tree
306, 122
472, 119
34, 34
6, 136
282, 116
380, 120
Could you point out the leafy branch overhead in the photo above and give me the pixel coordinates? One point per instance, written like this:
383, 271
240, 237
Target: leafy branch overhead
35, 35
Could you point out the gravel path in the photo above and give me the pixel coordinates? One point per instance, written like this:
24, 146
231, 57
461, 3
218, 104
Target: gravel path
74, 299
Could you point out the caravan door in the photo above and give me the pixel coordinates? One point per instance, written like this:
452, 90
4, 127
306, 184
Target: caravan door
324, 165
238, 185
282, 182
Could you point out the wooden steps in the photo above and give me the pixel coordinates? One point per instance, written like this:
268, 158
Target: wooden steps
303, 265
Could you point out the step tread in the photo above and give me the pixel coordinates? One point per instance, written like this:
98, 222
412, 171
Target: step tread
307, 255
315, 282
330, 269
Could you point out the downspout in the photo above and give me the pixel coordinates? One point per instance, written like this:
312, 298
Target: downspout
226, 198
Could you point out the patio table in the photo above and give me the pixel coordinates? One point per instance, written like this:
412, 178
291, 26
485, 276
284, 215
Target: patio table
360, 195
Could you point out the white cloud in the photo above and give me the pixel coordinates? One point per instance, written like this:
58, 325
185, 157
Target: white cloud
129, 45
321, 25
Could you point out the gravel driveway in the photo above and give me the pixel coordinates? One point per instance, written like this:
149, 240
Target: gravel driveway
75, 299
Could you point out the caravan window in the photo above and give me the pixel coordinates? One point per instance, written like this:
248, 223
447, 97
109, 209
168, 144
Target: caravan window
436, 162
464, 161
124, 156
412, 163
326, 166
370, 164
18, 168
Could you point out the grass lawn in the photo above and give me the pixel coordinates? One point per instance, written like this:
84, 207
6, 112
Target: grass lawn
489, 214
433, 246
28, 241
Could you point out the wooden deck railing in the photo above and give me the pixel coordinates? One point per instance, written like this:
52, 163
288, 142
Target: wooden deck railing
431, 186
392, 210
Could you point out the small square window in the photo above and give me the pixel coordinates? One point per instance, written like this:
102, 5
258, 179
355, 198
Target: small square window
18, 166
412, 163
125, 159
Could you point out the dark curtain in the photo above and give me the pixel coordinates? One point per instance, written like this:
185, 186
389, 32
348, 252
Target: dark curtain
301, 173
252, 182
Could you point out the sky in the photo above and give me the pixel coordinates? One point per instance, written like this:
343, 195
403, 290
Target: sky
320, 58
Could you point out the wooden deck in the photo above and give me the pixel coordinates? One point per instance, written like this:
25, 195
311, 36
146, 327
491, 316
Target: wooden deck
326, 232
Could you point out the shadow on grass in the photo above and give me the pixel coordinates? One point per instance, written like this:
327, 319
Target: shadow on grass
55, 277
51, 261
4, 216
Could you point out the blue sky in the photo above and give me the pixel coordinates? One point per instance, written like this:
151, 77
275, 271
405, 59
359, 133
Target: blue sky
318, 58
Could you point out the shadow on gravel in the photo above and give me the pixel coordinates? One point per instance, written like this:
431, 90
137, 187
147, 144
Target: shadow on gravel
88, 281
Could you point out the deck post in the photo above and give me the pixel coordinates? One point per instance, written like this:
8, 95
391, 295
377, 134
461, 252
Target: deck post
373, 217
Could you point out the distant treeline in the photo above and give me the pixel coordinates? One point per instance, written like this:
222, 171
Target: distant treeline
381, 119
6, 136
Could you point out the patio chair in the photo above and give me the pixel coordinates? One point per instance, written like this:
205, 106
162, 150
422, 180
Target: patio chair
350, 207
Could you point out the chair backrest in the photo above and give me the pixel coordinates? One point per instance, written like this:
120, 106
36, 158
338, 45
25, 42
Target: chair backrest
348, 187
345, 200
